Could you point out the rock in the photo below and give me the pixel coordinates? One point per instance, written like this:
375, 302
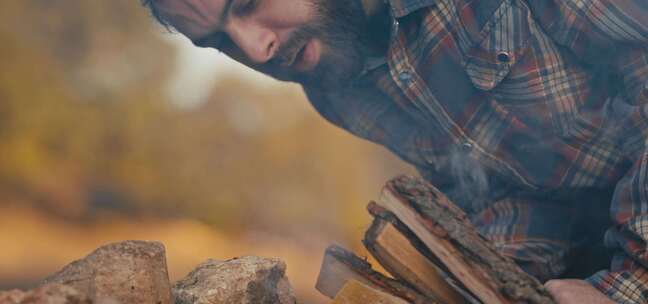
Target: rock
47, 294
124, 273
246, 280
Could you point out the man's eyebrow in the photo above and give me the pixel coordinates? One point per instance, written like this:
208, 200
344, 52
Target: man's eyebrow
222, 20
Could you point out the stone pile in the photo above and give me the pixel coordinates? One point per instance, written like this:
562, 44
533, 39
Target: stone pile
136, 272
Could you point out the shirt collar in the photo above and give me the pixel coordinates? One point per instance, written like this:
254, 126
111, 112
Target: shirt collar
401, 8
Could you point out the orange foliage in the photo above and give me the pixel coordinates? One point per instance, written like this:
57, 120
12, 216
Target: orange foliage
92, 151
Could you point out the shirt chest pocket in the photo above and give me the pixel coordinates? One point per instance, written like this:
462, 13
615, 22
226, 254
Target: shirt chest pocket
501, 44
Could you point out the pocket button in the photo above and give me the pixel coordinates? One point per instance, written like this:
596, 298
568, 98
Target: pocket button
466, 146
405, 76
503, 57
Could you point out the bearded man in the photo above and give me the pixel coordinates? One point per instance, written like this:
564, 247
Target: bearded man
531, 115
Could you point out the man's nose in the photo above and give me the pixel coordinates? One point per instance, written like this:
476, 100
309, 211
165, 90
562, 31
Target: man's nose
258, 43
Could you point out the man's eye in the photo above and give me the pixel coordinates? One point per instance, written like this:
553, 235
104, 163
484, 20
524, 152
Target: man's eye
245, 7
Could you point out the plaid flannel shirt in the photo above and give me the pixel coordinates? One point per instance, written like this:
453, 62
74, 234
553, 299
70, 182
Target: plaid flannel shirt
522, 112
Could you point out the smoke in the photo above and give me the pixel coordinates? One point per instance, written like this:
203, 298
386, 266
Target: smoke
471, 187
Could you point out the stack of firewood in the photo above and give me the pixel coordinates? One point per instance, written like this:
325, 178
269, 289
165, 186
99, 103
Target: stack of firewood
431, 252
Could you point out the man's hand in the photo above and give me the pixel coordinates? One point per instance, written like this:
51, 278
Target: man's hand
575, 291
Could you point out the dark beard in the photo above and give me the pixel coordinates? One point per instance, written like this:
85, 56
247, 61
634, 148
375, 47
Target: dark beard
341, 27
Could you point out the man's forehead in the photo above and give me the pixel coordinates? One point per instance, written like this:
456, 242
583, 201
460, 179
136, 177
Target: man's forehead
193, 18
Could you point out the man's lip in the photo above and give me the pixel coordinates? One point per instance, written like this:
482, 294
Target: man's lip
307, 57
298, 56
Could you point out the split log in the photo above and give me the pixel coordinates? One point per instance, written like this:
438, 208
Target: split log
395, 252
355, 292
448, 234
340, 266
380, 212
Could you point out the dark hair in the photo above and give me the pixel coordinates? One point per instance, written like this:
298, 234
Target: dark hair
155, 13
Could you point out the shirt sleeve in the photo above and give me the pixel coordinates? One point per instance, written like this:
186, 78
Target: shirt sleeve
593, 22
626, 281
611, 37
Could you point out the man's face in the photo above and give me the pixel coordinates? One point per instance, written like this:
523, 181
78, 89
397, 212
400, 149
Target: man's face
317, 43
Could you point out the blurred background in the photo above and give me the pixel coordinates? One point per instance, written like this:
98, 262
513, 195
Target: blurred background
113, 129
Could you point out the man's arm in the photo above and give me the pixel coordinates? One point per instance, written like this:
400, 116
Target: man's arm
612, 34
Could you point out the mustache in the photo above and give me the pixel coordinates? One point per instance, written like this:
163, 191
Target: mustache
289, 50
